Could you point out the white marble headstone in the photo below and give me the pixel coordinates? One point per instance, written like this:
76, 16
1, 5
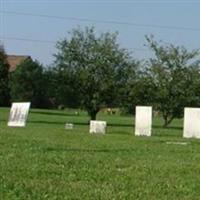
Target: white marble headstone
97, 127
143, 120
69, 126
191, 123
19, 114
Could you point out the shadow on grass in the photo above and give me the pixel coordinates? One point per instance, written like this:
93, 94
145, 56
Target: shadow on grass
61, 123
167, 128
88, 150
109, 125
52, 113
154, 126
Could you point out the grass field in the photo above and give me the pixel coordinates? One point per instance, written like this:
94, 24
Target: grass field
45, 161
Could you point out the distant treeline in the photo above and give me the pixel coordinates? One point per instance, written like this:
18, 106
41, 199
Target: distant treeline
92, 71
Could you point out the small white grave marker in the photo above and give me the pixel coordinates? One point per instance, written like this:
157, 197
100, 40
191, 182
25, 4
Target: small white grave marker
179, 143
191, 123
143, 120
69, 126
97, 127
19, 114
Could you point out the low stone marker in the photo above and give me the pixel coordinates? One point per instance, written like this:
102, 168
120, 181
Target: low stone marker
178, 143
69, 126
143, 120
97, 127
19, 114
191, 123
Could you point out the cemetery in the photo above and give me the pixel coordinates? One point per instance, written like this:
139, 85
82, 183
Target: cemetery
99, 123
55, 155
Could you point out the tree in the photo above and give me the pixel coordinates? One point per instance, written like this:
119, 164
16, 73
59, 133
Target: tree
4, 79
28, 83
171, 74
90, 67
139, 88
64, 86
51, 86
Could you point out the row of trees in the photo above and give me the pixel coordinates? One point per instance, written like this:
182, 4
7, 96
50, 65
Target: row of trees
4, 79
26, 83
92, 72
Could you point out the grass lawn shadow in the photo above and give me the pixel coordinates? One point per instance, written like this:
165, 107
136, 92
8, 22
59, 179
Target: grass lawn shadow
56, 122
167, 128
88, 150
52, 113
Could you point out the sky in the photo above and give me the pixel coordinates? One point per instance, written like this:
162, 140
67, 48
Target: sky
175, 22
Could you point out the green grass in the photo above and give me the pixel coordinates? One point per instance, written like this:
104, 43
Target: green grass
45, 161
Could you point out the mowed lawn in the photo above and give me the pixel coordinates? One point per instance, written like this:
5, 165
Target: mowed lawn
45, 161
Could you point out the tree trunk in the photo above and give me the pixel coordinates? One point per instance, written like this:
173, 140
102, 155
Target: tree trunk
167, 121
93, 114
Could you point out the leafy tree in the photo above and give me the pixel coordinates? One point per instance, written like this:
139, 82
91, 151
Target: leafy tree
91, 68
139, 88
50, 80
64, 88
28, 83
4, 79
171, 74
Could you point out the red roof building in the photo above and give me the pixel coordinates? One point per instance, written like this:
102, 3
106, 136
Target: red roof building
14, 61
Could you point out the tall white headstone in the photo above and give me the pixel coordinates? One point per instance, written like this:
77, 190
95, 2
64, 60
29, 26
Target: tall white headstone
19, 114
143, 120
97, 127
191, 123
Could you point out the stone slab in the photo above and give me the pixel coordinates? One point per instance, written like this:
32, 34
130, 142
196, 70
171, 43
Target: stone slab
143, 120
18, 114
191, 123
69, 126
98, 126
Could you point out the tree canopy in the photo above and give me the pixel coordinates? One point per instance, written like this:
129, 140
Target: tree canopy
4, 79
173, 78
93, 68
92, 71
28, 83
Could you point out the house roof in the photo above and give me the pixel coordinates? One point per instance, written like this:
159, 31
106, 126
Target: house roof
14, 60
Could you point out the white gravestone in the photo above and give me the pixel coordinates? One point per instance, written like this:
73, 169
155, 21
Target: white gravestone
19, 114
191, 123
69, 126
97, 127
143, 120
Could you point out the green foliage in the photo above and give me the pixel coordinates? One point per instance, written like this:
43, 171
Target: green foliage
4, 79
91, 69
44, 161
50, 79
62, 86
174, 73
139, 90
28, 83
